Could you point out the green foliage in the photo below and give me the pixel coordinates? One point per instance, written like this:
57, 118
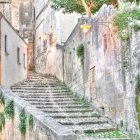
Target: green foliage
136, 27
22, 120
137, 91
2, 120
30, 121
2, 100
138, 109
9, 109
77, 6
125, 64
137, 87
80, 52
110, 134
125, 12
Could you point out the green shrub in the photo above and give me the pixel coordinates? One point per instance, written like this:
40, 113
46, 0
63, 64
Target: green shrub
80, 52
125, 12
9, 109
22, 120
137, 87
2, 120
2, 101
30, 121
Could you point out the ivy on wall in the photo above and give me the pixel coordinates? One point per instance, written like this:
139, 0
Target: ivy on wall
22, 120
137, 91
80, 53
2, 120
30, 121
9, 109
127, 11
2, 101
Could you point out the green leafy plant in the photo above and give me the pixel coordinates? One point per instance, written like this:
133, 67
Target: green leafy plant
137, 87
22, 120
125, 12
136, 27
2, 120
2, 100
30, 121
81, 6
9, 109
137, 91
80, 52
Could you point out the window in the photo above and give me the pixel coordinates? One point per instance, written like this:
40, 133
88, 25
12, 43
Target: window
105, 42
18, 55
24, 60
5, 44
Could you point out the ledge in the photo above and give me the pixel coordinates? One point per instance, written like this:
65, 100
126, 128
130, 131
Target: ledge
58, 131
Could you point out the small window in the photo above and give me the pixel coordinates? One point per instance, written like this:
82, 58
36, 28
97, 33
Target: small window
5, 44
24, 60
18, 55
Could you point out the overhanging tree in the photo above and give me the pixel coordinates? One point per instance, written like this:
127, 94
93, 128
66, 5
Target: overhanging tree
81, 6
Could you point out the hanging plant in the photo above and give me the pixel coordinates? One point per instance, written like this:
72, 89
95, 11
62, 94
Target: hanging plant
2, 120
30, 121
9, 109
80, 52
137, 88
2, 101
22, 120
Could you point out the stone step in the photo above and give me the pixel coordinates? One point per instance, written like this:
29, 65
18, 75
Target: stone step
48, 99
67, 110
80, 121
91, 128
51, 103
74, 115
62, 106
109, 135
39, 91
46, 96
38, 88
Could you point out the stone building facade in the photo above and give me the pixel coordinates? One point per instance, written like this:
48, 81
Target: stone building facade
21, 15
51, 31
101, 79
13, 64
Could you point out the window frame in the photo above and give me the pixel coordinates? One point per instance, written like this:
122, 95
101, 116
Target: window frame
6, 44
18, 56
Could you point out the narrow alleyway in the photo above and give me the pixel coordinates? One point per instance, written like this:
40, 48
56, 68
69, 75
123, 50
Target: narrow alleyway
52, 97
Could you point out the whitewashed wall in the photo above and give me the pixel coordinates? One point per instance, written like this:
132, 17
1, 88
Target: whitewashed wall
12, 72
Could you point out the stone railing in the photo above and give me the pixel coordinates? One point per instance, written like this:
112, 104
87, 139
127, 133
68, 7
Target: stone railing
44, 127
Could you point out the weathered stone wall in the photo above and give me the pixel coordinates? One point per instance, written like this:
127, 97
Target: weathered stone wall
51, 31
101, 79
50, 62
12, 70
44, 128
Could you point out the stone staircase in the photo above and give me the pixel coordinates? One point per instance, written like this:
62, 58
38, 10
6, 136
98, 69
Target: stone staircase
52, 97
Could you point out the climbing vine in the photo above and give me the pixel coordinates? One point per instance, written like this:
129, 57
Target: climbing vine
137, 91
30, 121
137, 88
9, 109
2, 101
2, 120
22, 120
126, 12
80, 52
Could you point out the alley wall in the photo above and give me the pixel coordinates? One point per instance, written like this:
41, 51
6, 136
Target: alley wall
13, 55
